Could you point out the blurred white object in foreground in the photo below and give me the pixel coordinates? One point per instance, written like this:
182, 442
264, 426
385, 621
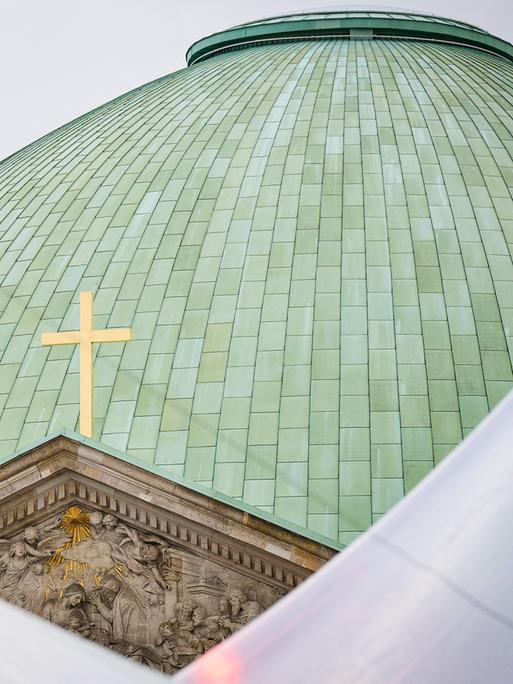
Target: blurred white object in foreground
425, 596
33, 650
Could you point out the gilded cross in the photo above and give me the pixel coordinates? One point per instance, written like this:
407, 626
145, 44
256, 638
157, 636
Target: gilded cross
85, 337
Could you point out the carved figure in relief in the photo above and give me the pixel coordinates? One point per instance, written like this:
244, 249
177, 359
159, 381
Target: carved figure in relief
30, 547
101, 602
13, 567
252, 607
204, 631
183, 614
20, 575
125, 611
100, 549
235, 601
69, 610
167, 644
150, 556
34, 588
242, 610
180, 637
186, 648
46, 538
114, 532
76, 623
141, 554
95, 522
217, 630
95, 553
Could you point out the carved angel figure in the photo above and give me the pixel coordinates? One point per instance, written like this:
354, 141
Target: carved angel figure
45, 538
30, 550
13, 566
21, 575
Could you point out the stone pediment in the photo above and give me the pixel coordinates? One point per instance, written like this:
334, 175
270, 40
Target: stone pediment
146, 566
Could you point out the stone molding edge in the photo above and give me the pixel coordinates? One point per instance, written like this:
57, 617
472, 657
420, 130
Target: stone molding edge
64, 471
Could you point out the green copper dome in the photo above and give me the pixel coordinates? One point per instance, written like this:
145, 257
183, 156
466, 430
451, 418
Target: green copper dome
311, 238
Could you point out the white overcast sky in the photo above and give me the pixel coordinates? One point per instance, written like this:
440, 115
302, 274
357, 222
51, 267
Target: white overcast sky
61, 58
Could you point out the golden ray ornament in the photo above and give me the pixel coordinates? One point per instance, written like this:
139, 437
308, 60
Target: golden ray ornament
75, 522
85, 337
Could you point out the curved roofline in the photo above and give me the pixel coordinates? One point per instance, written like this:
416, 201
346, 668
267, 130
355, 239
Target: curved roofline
347, 24
360, 9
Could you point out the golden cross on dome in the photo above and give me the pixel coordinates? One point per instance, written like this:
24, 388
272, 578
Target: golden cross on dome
85, 337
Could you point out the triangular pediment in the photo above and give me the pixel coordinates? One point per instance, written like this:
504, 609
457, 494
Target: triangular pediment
147, 566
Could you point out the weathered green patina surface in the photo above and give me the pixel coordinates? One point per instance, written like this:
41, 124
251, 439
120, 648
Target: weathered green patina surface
312, 243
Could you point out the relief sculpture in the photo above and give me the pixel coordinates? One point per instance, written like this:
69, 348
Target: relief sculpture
132, 592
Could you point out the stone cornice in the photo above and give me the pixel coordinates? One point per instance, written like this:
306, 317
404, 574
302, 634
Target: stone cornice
63, 471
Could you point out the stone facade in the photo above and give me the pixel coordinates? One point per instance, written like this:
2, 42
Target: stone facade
142, 565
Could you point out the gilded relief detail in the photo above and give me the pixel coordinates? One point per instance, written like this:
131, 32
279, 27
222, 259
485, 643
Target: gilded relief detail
130, 591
